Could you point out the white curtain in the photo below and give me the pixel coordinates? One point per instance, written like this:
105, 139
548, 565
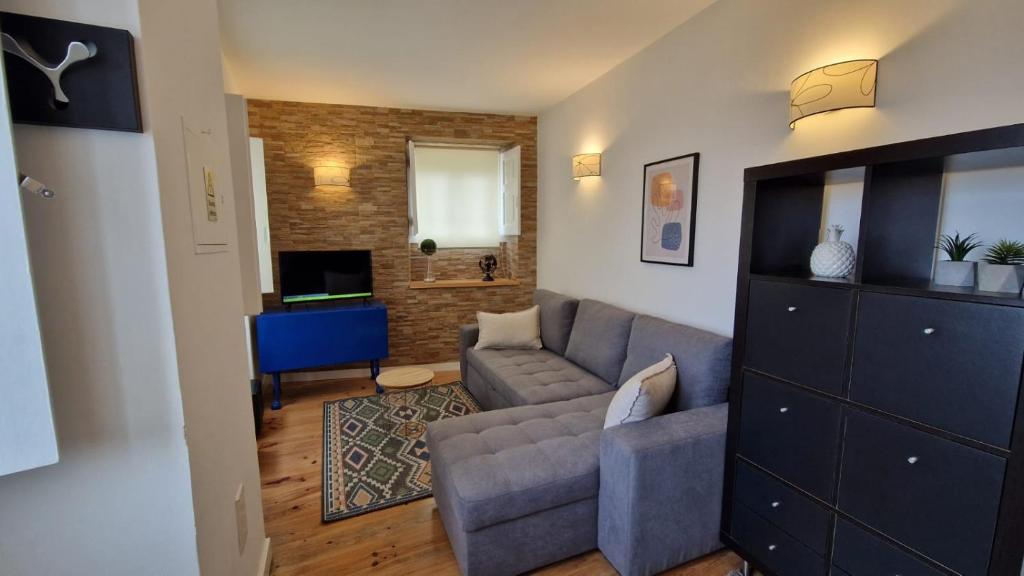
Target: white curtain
458, 196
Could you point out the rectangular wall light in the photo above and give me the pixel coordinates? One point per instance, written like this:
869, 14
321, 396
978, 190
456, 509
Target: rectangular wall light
584, 165
837, 86
330, 176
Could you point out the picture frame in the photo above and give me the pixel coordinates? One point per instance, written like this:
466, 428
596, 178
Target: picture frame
669, 210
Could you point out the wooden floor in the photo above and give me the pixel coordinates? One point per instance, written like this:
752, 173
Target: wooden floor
408, 539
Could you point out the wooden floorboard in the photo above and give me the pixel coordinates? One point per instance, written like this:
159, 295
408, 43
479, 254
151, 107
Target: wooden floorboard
407, 539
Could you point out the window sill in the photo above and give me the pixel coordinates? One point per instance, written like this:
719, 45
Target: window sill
421, 285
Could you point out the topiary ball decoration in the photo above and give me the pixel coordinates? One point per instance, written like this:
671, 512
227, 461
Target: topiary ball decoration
428, 247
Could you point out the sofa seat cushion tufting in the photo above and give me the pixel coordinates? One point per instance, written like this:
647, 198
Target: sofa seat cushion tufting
529, 377
507, 464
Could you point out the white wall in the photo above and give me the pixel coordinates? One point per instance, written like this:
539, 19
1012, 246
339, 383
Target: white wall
143, 338
718, 85
181, 39
119, 501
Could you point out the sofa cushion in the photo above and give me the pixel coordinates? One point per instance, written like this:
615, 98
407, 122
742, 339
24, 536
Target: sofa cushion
527, 377
509, 330
557, 313
599, 338
507, 464
702, 360
643, 396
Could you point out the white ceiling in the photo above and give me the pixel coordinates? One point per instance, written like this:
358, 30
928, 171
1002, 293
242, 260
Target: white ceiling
510, 56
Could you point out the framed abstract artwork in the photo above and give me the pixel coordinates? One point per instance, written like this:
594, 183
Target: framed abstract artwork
669, 210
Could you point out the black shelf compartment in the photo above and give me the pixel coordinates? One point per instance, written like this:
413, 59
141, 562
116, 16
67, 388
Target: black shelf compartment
901, 207
899, 222
787, 218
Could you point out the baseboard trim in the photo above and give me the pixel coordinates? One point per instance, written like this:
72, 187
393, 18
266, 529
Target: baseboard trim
356, 372
265, 559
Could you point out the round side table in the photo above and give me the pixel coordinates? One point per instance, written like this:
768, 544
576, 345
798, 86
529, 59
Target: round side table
393, 389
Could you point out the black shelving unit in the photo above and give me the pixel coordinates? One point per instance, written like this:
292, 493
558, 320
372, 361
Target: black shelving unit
876, 422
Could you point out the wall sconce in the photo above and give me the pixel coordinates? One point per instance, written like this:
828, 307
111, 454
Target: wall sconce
834, 87
584, 165
330, 176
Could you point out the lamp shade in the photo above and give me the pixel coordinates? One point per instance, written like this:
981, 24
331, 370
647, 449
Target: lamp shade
331, 176
584, 165
834, 87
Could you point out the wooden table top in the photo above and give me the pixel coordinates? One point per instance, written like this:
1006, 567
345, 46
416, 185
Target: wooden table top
402, 378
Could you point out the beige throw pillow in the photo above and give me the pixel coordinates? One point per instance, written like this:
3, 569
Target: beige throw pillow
511, 330
643, 396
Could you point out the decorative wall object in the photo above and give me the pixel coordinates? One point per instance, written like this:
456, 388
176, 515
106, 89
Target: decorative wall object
834, 87
488, 264
331, 176
68, 74
833, 258
585, 165
669, 210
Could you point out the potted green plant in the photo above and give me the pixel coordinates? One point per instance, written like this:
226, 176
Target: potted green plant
956, 271
1001, 270
428, 247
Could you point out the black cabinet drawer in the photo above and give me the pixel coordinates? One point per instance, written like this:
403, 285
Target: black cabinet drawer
952, 365
799, 333
861, 554
933, 495
791, 433
782, 506
772, 547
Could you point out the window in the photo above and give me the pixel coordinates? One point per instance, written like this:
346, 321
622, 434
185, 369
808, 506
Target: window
461, 197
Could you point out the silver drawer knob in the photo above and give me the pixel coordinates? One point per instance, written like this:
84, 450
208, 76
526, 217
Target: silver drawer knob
772, 547
776, 504
929, 331
912, 460
791, 309
784, 409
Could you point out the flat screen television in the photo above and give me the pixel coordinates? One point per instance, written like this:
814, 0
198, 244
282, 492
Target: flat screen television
313, 276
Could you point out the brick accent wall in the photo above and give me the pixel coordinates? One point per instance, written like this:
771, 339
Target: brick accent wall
372, 213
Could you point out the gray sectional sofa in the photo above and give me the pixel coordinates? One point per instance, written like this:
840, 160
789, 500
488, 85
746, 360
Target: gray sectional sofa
535, 478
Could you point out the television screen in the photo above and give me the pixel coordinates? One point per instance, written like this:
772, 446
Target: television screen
312, 276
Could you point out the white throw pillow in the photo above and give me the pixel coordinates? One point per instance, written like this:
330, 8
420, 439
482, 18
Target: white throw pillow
511, 330
643, 396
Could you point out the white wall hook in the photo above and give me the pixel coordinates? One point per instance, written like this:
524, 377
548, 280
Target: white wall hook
77, 52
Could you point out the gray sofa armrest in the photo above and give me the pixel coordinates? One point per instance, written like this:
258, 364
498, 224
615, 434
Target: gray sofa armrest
661, 490
468, 335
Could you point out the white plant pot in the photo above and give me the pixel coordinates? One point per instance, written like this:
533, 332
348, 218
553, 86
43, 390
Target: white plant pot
1007, 278
954, 273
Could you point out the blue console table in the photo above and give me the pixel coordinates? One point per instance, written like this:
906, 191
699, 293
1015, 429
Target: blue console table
321, 336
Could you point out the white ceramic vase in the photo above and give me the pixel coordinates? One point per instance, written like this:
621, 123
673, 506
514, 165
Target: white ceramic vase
833, 258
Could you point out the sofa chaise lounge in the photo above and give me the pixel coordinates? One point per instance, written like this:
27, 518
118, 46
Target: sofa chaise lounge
535, 478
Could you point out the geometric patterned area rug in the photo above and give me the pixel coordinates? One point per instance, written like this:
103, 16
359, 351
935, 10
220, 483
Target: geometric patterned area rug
375, 455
